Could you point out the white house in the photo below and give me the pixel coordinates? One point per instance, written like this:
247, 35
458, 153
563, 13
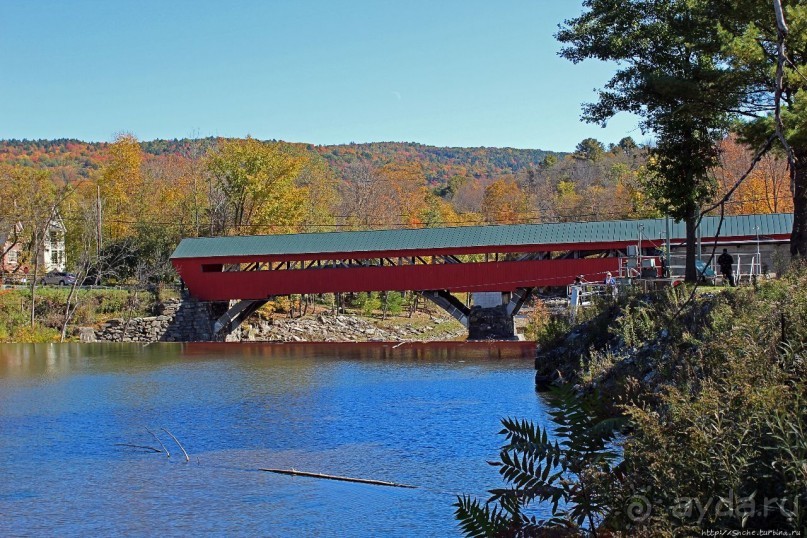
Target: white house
51, 254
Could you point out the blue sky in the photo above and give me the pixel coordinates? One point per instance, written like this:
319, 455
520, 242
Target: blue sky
440, 72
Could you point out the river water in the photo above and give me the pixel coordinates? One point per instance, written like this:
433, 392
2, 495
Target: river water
425, 415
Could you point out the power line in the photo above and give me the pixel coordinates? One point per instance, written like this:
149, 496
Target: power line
540, 218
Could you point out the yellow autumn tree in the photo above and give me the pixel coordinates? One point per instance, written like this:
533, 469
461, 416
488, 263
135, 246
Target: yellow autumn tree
318, 180
179, 194
120, 185
256, 181
566, 202
438, 212
30, 200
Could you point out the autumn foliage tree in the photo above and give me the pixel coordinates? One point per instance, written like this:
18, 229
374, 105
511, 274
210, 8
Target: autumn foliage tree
407, 184
32, 203
256, 180
765, 190
505, 203
367, 198
121, 189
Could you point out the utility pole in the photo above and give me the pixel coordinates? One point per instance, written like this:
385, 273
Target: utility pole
639, 253
667, 241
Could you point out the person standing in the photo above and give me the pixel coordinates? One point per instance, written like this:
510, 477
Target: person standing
610, 283
726, 263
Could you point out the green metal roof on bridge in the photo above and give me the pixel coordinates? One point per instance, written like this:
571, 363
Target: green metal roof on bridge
474, 236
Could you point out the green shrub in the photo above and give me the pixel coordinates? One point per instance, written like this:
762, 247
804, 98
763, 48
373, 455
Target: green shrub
394, 303
370, 303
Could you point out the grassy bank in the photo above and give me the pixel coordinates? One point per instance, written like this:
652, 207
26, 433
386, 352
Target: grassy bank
399, 316
92, 306
712, 395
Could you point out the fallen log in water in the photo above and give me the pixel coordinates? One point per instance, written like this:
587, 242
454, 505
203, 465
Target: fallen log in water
294, 472
158, 440
139, 446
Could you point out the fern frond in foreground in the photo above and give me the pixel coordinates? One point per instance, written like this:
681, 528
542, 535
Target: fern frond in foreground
565, 469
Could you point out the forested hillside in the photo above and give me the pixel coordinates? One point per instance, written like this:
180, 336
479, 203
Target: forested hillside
438, 163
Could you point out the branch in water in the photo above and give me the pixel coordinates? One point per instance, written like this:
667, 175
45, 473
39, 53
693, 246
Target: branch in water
139, 446
158, 440
178, 443
294, 472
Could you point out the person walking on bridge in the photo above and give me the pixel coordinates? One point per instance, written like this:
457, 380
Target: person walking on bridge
726, 262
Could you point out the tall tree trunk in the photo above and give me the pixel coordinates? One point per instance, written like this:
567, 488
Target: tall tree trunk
691, 221
798, 237
70, 307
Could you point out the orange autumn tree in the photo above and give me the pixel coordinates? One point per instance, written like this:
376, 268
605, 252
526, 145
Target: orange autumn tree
407, 184
765, 190
179, 194
505, 202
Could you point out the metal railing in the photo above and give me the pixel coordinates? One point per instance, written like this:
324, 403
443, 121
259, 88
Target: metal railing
745, 267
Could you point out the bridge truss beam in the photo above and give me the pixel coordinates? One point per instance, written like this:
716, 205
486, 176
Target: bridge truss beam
234, 317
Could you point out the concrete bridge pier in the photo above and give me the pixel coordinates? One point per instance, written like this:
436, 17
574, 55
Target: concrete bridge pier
490, 317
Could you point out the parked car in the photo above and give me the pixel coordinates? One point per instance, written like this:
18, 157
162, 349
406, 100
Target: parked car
60, 278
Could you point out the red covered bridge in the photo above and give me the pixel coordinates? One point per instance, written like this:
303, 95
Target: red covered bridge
437, 261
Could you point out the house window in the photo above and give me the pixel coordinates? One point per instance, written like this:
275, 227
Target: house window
55, 239
11, 257
54, 257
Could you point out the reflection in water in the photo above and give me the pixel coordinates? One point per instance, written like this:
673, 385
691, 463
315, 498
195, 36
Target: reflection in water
424, 414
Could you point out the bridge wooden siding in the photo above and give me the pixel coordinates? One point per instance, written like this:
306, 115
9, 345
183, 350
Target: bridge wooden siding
463, 277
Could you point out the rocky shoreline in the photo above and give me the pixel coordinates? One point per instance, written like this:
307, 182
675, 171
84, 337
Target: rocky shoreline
176, 322
345, 328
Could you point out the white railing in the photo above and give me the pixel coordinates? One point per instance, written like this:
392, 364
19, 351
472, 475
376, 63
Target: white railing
581, 294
